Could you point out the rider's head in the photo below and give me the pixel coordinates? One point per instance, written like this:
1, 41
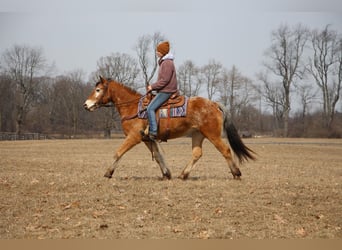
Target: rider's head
163, 48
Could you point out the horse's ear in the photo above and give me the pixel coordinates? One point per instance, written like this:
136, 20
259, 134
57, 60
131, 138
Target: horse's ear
102, 80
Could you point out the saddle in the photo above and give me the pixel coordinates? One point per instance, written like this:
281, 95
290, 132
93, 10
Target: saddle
176, 100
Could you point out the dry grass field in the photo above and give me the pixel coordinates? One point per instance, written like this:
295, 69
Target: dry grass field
55, 189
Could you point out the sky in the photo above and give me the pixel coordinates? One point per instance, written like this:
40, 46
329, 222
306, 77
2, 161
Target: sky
75, 34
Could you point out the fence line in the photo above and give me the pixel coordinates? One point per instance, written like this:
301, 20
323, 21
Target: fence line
26, 136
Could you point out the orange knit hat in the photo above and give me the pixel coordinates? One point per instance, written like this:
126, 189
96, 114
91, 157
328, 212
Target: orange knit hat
163, 48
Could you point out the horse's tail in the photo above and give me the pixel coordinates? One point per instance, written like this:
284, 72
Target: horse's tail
240, 149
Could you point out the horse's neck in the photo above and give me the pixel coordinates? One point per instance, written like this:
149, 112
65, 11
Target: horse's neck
125, 99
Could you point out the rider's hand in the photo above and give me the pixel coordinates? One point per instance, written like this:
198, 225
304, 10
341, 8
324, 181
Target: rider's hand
149, 88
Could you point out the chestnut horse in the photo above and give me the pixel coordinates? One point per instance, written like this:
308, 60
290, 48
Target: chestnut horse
204, 119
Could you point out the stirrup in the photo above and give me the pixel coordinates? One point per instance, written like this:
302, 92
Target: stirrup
152, 137
147, 137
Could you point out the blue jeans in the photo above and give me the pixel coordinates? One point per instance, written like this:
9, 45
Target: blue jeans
157, 101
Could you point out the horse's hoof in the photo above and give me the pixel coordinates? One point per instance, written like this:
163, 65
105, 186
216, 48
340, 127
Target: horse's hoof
236, 174
108, 175
167, 176
183, 176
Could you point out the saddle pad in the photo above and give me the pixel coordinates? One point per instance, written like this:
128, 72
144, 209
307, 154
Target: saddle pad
164, 112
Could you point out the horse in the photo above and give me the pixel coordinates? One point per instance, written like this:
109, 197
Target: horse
204, 119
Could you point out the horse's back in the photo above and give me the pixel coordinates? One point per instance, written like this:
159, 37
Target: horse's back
200, 105
205, 114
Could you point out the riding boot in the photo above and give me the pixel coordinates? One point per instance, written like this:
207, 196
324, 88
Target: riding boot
146, 136
149, 137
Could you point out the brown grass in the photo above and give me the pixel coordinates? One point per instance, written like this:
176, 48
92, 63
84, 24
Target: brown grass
54, 189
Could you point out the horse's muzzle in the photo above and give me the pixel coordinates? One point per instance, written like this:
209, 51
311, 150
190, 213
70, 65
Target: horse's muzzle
89, 106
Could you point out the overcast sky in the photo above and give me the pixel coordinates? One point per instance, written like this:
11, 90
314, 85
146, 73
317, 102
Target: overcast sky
75, 34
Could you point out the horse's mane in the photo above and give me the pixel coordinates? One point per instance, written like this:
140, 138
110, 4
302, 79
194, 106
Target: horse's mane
129, 89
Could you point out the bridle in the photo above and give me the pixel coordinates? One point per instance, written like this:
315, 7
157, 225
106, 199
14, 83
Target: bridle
112, 104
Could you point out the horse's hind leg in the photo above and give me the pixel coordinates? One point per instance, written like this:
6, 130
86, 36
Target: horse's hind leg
197, 141
226, 152
155, 150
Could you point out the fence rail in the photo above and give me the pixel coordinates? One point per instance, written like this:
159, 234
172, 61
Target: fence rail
26, 136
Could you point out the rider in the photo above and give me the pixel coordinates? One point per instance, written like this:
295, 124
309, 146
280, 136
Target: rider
166, 85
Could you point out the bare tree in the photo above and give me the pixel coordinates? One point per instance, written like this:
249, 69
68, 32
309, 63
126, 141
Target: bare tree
7, 93
120, 67
210, 77
188, 82
307, 96
273, 95
23, 64
285, 62
234, 90
326, 68
38, 119
67, 102
147, 58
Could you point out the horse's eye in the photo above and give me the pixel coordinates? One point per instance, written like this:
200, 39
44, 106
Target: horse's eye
98, 90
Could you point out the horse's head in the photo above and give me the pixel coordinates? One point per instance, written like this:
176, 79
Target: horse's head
99, 96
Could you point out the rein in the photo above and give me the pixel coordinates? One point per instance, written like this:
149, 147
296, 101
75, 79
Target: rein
129, 102
129, 117
108, 105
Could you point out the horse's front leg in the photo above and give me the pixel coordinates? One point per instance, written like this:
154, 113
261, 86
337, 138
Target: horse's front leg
127, 144
155, 150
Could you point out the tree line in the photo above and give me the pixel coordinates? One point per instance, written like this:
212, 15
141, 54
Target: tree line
300, 64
